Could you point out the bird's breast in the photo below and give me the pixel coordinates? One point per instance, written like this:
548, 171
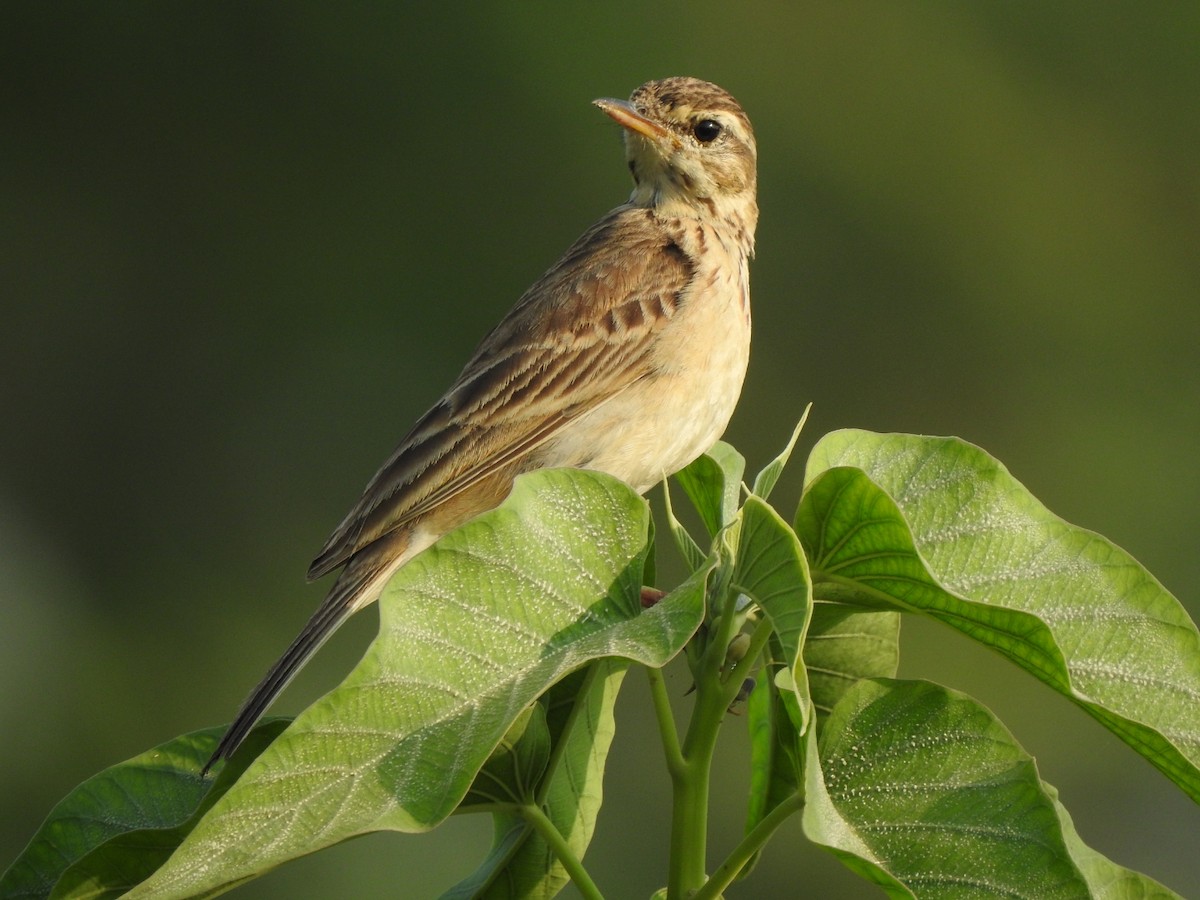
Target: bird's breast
663, 421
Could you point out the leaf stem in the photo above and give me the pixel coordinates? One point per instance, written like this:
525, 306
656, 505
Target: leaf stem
749, 845
715, 691
551, 835
666, 720
689, 814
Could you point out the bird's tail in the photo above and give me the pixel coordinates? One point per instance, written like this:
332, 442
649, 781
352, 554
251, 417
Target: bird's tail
358, 585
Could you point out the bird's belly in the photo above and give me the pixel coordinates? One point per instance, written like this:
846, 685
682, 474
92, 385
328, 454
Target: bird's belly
658, 425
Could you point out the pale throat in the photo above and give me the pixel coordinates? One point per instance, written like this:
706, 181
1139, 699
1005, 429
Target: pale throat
736, 214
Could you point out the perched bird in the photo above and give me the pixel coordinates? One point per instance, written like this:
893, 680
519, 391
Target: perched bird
626, 357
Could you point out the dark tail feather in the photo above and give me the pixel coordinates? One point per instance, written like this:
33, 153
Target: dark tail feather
348, 595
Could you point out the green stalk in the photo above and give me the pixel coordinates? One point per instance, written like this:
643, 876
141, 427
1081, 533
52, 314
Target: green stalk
689, 817
691, 779
551, 835
750, 844
666, 721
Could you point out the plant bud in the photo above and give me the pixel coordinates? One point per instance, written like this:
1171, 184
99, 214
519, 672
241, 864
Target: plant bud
737, 649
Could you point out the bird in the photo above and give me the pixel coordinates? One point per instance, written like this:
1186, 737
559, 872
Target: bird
626, 357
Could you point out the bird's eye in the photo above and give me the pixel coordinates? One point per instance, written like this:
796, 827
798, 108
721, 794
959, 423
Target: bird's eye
707, 130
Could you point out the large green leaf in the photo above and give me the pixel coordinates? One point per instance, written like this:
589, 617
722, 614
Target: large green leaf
845, 644
118, 826
936, 525
926, 794
922, 791
471, 631
1106, 880
513, 771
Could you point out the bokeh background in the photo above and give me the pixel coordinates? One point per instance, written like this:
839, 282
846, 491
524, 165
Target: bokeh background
245, 245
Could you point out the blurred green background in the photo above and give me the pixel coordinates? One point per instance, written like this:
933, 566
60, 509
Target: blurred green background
245, 245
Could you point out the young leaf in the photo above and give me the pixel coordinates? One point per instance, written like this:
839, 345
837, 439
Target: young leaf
771, 569
714, 483
471, 631
928, 795
684, 542
765, 481
650, 566
936, 525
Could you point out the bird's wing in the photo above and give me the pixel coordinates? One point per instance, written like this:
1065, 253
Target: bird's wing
577, 338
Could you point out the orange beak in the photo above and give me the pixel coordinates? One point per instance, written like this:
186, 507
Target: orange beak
625, 115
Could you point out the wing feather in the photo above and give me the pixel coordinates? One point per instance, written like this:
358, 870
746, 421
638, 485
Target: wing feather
578, 337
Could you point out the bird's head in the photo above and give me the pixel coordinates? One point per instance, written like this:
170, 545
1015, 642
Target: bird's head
690, 149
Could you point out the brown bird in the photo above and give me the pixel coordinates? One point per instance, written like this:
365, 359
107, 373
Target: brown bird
626, 357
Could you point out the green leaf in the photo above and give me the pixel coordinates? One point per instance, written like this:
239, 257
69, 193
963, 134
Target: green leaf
471, 631
650, 566
520, 863
775, 772
684, 542
771, 569
766, 480
1106, 880
509, 833
845, 644
511, 774
118, 826
935, 525
713, 482
926, 794
575, 791
776, 769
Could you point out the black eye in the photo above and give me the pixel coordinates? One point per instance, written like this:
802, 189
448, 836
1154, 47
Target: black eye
706, 130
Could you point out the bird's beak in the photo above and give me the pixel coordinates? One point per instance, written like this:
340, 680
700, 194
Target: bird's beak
625, 115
